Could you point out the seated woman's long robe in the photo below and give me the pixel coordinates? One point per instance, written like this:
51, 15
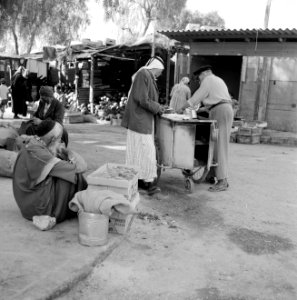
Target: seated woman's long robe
44, 184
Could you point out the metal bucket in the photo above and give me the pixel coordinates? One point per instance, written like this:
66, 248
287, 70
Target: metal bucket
92, 229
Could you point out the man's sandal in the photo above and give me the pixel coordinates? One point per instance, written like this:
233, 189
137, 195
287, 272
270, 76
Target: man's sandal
219, 187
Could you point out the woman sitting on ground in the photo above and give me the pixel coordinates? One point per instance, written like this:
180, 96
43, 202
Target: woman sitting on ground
48, 108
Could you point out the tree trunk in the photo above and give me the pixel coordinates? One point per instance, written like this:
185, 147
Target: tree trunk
16, 43
146, 27
267, 13
31, 41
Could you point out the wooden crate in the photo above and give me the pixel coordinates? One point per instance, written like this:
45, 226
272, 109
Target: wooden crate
106, 178
249, 131
248, 139
73, 117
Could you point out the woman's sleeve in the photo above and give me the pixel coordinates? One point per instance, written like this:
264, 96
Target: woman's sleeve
141, 93
64, 170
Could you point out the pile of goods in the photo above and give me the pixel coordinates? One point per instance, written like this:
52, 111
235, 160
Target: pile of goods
118, 172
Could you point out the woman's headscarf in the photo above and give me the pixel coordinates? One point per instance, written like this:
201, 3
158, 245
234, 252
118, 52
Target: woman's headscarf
185, 80
155, 63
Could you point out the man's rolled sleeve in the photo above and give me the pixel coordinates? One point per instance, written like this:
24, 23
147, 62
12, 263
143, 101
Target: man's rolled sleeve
199, 95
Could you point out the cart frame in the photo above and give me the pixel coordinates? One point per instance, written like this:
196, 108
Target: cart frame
187, 145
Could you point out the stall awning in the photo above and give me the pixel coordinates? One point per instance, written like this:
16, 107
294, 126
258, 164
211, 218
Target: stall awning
98, 54
7, 55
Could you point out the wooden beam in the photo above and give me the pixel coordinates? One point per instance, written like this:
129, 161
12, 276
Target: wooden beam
168, 76
262, 89
91, 94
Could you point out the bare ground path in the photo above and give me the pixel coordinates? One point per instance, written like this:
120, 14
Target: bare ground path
235, 245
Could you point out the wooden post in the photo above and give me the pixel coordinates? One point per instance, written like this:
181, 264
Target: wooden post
262, 89
76, 77
154, 39
91, 95
168, 76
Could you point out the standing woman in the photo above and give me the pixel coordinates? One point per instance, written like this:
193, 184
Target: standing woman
19, 92
180, 93
141, 109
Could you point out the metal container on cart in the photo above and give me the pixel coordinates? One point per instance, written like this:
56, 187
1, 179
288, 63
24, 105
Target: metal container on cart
187, 145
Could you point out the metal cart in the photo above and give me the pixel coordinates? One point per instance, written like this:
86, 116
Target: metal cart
187, 145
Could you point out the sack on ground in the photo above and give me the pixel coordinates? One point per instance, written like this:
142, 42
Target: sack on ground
7, 161
7, 133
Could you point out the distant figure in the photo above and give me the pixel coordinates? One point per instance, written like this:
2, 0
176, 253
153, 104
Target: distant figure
59, 95
180, 93
235, 104
48, 108
4, 91
20, 92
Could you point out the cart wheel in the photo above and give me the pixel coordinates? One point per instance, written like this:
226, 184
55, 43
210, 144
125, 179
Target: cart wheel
200, 175
189, 185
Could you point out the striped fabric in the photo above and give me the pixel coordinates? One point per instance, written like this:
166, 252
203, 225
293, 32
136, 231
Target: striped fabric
141, 152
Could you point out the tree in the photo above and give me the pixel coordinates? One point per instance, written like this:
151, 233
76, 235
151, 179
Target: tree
52, 21
208, 19
137, 15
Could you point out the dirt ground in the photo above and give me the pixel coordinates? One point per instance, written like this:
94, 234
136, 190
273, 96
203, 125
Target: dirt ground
235, 245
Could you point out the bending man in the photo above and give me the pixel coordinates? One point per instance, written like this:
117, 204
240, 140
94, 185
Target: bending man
213, 93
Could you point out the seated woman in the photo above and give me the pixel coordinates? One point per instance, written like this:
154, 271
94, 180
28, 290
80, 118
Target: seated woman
46, 176
48, 108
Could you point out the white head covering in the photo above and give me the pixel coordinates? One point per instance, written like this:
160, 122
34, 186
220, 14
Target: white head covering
185, 80
155, 63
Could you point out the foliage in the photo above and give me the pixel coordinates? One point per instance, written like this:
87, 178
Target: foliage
137, 15
52, 21
111, 107
134, 17
208, 19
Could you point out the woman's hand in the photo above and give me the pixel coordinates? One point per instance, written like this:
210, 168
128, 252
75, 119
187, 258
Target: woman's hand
36, 121
162, 110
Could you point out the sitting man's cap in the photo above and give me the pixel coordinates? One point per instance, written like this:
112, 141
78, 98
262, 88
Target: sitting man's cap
46, 91
202, 69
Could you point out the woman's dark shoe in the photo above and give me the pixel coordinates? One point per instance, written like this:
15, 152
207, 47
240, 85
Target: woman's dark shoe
143, 185
153, 189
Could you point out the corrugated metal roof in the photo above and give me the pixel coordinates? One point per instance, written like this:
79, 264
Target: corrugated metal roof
233, 35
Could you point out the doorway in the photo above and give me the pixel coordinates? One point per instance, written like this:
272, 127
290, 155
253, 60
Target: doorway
226, 67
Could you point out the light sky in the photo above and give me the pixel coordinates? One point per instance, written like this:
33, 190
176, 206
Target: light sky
238, 14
